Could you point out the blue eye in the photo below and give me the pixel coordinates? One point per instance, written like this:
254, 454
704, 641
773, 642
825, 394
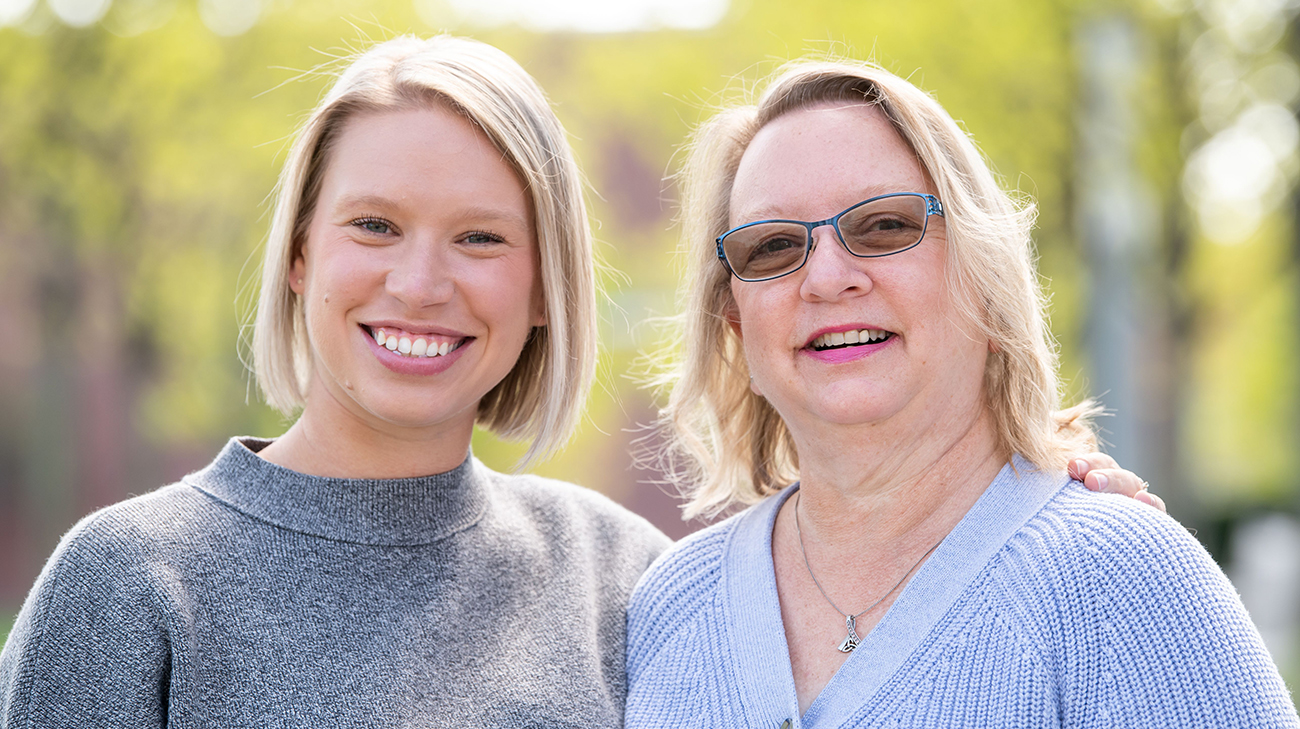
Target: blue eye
479, 237
374, 225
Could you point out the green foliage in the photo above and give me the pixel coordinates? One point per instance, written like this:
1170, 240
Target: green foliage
7, 619
1239, 423
147, 159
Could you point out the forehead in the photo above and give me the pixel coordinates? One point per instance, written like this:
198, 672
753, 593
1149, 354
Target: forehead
429, 156
810, 164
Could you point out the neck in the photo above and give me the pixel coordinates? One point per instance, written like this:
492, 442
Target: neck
874, 487
329, 440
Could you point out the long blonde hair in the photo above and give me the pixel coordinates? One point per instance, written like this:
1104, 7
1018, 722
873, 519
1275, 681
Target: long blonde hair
541, 398
728, 445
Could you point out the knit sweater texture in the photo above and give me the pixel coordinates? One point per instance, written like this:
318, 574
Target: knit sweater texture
1046, 606
249, 595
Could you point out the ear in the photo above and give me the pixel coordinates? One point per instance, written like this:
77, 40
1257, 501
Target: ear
538, 305
733, 320
297, 274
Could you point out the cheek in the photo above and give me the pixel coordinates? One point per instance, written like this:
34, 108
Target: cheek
753, 309
507, 292
336, 282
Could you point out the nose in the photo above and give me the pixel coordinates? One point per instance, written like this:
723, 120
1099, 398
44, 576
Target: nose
420, 273
831, 272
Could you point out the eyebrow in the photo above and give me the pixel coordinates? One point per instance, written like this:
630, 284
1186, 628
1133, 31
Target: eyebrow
363, 201
477, 212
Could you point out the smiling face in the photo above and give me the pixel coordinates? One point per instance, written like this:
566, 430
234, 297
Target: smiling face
915, 358
422, 238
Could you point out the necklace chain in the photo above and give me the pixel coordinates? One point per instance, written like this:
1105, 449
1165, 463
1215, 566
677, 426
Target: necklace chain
850, 621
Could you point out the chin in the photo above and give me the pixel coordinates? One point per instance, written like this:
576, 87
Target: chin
853, 411
858, 405
857, 415
411, 416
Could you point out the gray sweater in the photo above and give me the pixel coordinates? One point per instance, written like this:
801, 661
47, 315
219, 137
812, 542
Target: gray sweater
249, 595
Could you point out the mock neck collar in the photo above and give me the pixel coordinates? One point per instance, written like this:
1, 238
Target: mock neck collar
390, 512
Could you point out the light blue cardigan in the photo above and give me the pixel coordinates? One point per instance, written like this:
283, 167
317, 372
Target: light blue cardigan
1046, 606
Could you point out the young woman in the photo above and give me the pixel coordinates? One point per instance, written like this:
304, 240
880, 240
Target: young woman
429, 266
867, 362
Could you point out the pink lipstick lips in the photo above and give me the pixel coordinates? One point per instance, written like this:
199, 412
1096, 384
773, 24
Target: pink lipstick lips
846, 345
409, 353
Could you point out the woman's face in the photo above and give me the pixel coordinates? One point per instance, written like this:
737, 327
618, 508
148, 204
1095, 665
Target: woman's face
423, 236
810, 165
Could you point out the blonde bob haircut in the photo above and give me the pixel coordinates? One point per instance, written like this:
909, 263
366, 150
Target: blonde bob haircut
728, 446
541, 399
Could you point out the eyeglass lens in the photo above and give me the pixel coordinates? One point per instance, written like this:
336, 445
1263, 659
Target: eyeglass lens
875, 228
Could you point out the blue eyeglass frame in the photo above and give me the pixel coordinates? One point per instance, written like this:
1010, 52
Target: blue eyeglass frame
932, 207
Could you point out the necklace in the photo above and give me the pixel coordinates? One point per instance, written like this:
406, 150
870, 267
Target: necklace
850, 621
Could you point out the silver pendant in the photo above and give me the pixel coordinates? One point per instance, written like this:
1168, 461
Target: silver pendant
852, 640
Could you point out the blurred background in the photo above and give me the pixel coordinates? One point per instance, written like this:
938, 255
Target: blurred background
140, 140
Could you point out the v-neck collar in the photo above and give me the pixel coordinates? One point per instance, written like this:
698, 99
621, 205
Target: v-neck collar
752, 610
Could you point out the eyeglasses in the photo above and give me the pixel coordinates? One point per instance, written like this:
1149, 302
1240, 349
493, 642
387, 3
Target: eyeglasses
880, 226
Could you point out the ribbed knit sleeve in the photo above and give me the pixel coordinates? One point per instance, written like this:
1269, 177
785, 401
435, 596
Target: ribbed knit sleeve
90, 647
1154, 634
655, 613
675, 639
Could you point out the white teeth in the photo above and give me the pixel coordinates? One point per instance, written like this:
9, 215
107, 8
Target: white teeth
857, 336
413, 347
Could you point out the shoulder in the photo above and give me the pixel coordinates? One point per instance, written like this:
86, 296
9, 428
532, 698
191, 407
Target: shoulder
94, 628
1114, 535
121, 554
1140, 561
1094, 570
134, 530
1084, 545
561, 510
1119, 589
682, 582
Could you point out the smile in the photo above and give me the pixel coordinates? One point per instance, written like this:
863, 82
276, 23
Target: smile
853, 338
415, 345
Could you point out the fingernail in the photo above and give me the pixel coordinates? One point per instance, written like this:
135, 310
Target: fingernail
1079, 465
1102, 481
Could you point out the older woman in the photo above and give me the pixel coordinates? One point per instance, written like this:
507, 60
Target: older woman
865, 318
